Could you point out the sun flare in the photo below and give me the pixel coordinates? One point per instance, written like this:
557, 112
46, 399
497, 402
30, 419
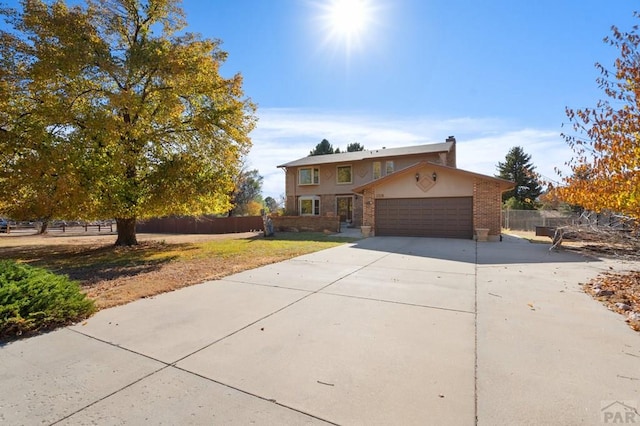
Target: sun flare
348, 17
347, 21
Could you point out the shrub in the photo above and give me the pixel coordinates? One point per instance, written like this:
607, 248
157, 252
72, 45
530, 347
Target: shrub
34, 299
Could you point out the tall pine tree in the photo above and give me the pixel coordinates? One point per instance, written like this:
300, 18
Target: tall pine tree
518, 168
323, 148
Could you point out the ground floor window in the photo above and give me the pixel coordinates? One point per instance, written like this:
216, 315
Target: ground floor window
309, 206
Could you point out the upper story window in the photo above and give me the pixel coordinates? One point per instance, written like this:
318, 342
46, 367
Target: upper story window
343, 174
388, 167
377, 170
308, 176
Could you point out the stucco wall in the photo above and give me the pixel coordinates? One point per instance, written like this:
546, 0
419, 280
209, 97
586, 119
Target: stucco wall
361, 173
447, 184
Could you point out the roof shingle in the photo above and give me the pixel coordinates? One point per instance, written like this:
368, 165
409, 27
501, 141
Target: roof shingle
344, 157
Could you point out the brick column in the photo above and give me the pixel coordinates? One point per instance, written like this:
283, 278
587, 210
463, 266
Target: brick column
369, 203
487, 206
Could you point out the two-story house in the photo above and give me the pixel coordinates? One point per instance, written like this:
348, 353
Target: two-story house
416, 191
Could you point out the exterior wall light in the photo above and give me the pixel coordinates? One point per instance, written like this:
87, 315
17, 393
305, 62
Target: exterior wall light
434, 176
417, 177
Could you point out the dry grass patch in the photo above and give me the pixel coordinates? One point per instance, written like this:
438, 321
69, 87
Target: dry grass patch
116, 275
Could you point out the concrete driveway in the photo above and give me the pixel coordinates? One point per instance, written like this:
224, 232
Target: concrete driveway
383, 331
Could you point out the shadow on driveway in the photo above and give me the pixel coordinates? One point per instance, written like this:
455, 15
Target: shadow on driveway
511, 250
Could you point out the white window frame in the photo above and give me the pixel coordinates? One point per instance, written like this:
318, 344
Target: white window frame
315, 205
377, 169
389, 167
342, 166
315, 176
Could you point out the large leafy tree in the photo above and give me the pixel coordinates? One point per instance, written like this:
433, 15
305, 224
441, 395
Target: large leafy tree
606, 142
43, 182
271, 204
110, 110
518, 168
247, 193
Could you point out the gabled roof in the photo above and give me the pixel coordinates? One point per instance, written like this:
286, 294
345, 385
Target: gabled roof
505, 184
345, 157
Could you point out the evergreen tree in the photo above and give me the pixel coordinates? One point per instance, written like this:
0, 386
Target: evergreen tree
355, 146
324, 147
518, 168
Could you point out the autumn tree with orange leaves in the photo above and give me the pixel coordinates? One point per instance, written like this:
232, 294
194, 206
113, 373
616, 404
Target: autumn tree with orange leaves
606, 165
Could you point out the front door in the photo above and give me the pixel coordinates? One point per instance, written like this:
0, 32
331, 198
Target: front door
345, 208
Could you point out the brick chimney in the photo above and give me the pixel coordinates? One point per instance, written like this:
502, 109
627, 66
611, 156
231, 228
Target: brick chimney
451, 155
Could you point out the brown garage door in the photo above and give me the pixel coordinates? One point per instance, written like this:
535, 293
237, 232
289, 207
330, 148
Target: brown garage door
425, 217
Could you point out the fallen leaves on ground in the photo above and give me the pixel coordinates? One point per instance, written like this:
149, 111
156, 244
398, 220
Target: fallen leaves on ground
620, 292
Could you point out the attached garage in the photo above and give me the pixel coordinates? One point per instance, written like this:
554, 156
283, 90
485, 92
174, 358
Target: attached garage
434, 200
442, 217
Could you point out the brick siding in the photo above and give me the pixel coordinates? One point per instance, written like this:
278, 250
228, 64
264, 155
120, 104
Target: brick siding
306, 223
487, 206
369, 209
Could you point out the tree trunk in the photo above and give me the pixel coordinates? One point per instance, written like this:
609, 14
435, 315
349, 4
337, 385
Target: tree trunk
126, 232
43, 227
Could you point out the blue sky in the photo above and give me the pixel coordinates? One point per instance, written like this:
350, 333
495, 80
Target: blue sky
494, 73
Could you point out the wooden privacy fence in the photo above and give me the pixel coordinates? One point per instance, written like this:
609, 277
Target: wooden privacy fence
200, 225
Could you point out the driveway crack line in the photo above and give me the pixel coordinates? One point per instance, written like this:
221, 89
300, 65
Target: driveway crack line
417, 305
164, 367
309, 294
475, 346
173, 364
271, 400
284, 287
124, 348
111, 394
